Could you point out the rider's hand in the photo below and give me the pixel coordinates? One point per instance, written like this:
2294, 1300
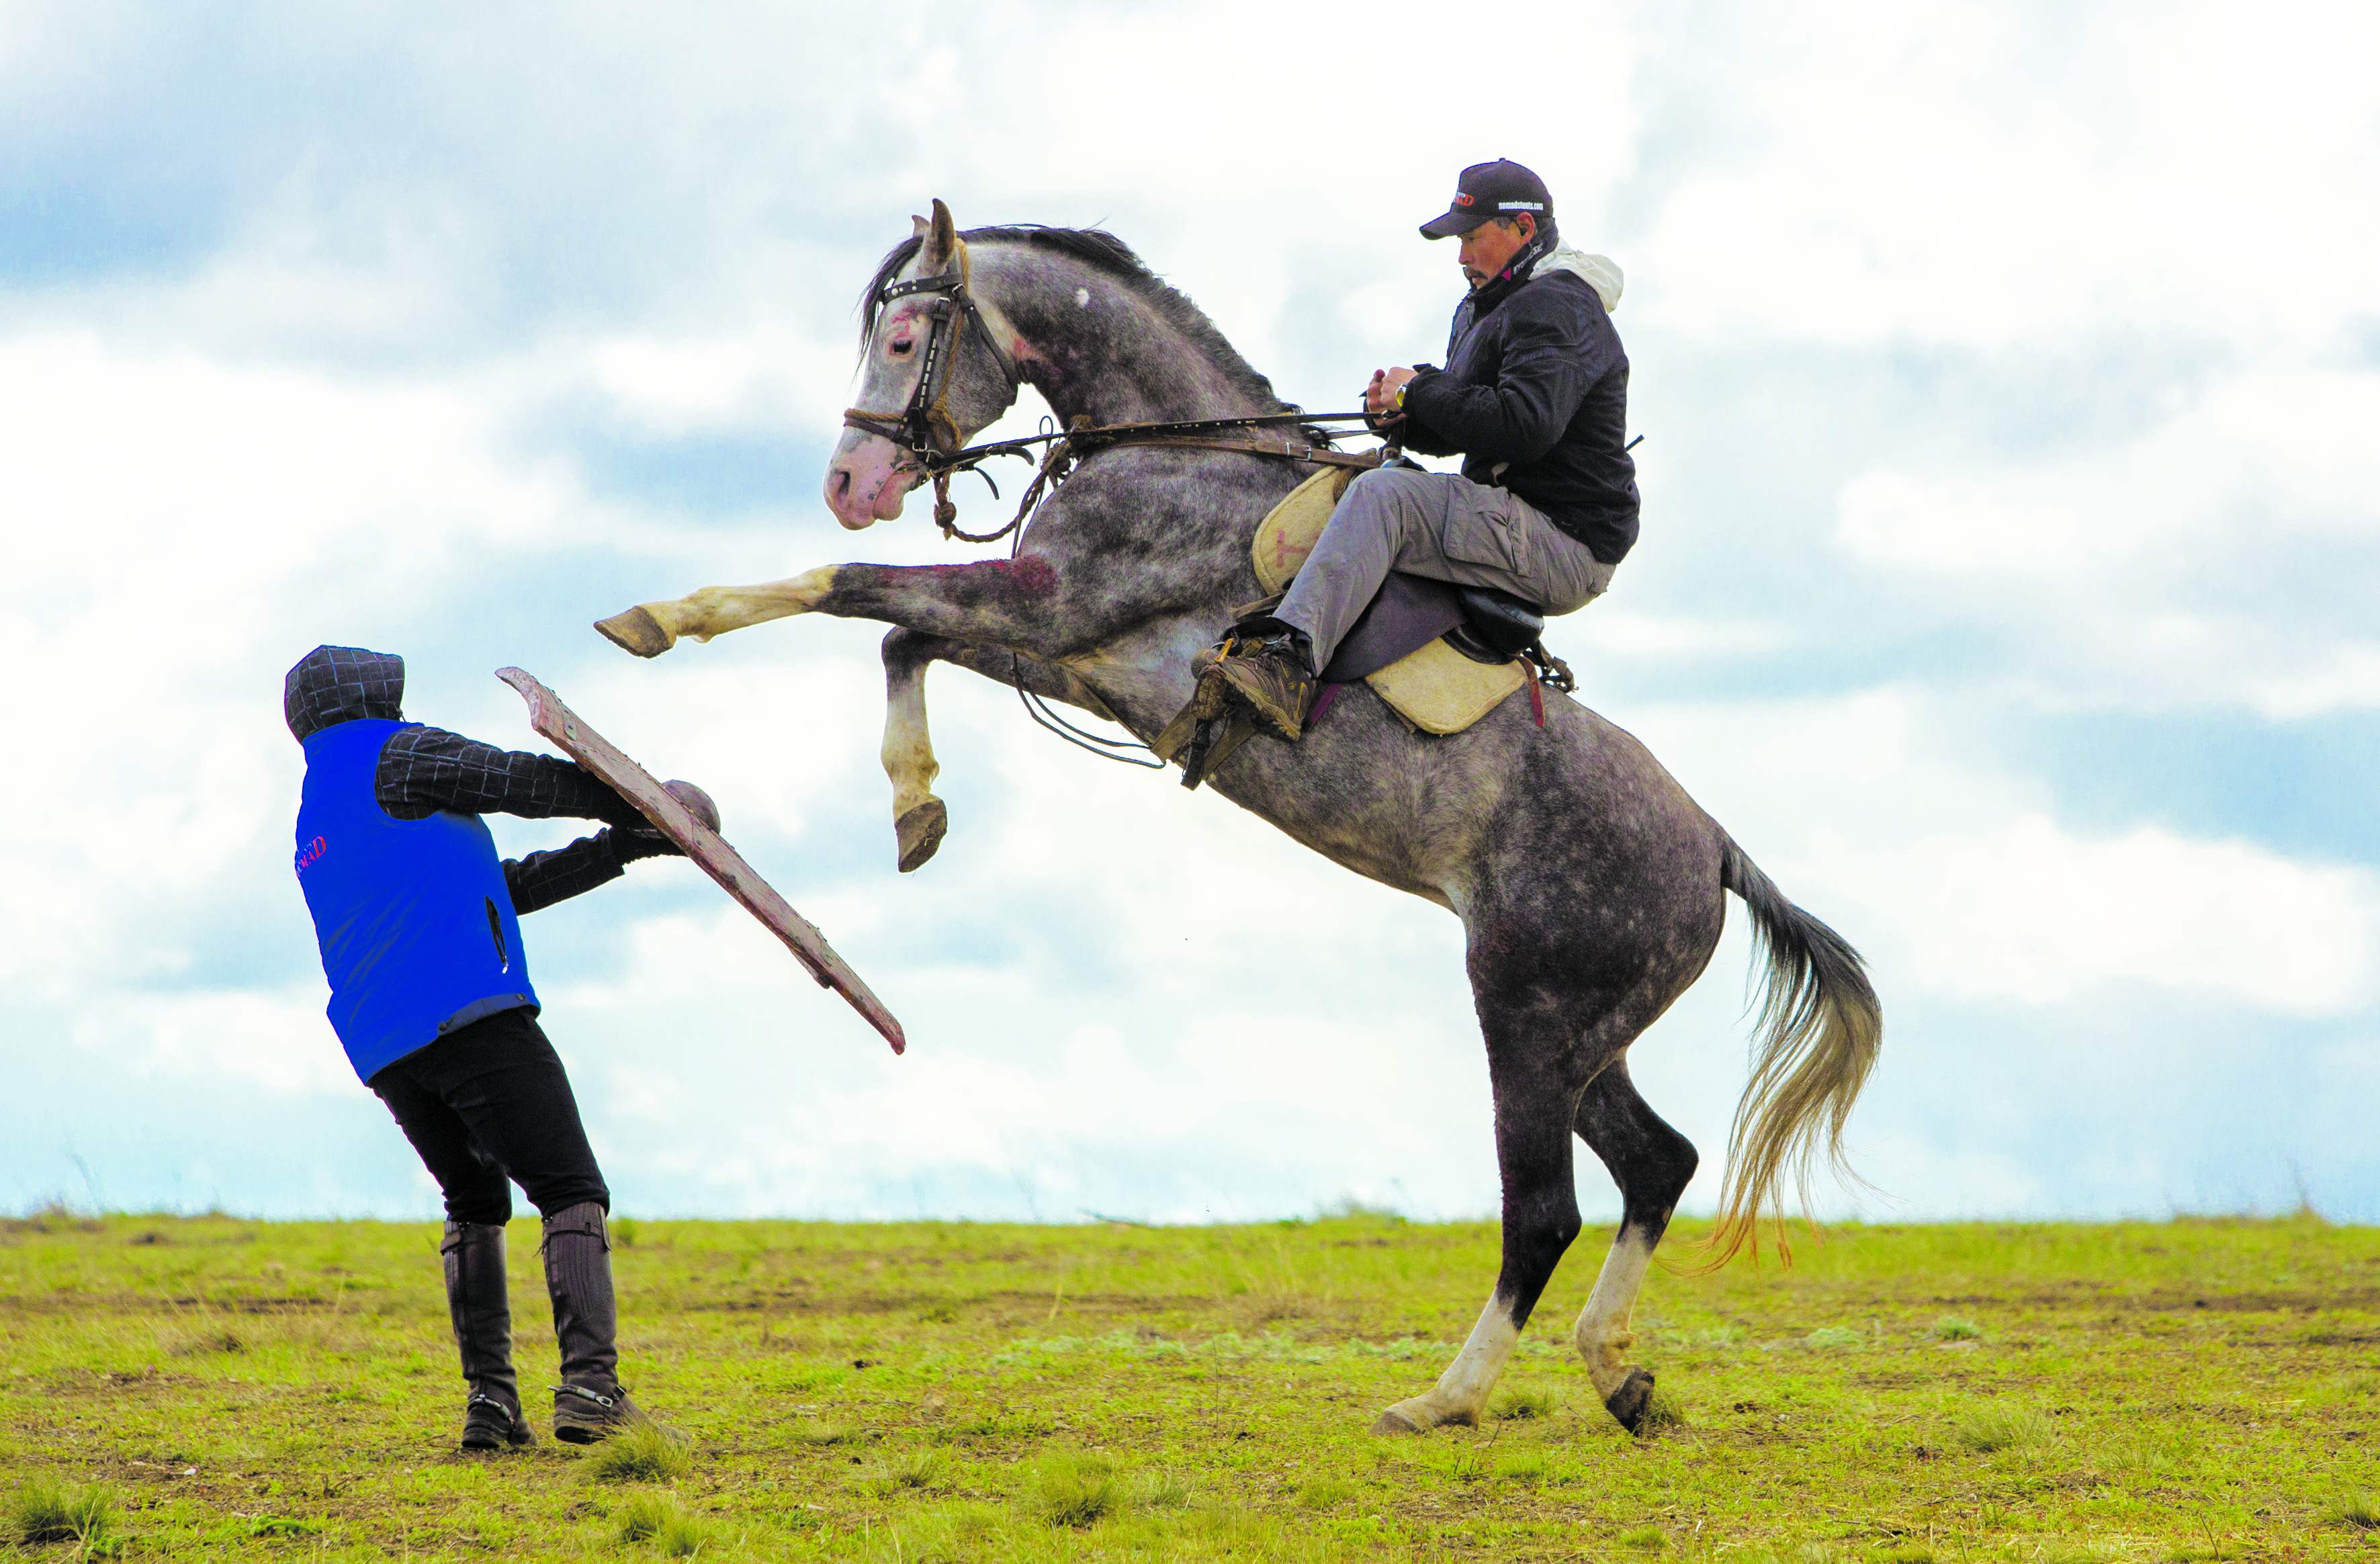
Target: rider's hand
1380, 396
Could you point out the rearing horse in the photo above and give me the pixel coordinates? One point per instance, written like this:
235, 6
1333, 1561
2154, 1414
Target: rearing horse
1590, 886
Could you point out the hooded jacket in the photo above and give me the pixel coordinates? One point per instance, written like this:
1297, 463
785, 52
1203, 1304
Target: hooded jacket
1534, 396
417, 919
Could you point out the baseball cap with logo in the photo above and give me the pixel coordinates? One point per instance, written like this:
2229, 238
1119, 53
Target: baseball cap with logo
1490, 190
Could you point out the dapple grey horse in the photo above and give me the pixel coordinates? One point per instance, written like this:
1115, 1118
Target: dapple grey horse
1590, 887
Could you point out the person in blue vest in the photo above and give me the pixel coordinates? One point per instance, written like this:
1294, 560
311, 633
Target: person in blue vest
420, 928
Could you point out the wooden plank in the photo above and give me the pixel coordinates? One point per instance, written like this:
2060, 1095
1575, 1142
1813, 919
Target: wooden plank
571, 733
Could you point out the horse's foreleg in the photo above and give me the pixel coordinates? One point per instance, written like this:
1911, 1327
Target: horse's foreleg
1651, 1163
920, 819
650, 629
1532, 1130
1017, 605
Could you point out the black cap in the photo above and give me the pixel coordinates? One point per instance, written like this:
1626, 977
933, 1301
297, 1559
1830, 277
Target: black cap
1490, 190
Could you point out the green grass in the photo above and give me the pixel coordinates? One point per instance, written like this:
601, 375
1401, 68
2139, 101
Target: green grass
2122, 1394
1078, 1490
657, 1520
645, 1453
45, 1510
2358, 1510
2003, 1428
1523, 1406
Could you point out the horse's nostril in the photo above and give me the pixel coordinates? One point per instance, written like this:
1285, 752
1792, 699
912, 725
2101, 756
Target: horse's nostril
840, 485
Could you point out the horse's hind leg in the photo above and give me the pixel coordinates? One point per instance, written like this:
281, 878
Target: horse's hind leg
1528, 1055
919, 820
1651, 1163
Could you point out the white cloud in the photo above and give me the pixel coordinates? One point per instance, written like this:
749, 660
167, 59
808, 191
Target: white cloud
1877, 813
326, 410
2031, 911
2264, 459
2228, 555
771, 376
248, 1038
179, 531
1981, 174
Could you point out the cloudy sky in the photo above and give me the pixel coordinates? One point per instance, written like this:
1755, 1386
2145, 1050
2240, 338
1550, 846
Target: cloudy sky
2009, 378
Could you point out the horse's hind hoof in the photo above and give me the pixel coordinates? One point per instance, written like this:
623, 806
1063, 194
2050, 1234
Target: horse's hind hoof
637, 631
921, 830
1631, 1402
1394, 1422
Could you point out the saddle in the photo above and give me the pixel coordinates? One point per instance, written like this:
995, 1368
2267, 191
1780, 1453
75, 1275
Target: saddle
1442, 656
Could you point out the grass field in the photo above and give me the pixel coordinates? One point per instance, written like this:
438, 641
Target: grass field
2175, 1391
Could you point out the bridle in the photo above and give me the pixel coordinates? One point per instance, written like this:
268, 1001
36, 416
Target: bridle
928, 436
925, 430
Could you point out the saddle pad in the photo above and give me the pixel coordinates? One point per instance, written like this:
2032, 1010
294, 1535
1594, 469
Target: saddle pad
1288, 535
1437, 690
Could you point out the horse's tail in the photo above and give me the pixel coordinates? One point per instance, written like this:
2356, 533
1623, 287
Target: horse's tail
1820, 1030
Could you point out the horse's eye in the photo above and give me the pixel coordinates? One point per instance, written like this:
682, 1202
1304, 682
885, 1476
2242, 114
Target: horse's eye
902, 345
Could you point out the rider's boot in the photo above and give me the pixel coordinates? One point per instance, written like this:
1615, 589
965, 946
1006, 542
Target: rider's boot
474, 1255
590, 1403
1269, 666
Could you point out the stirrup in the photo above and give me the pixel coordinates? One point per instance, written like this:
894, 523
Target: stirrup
1212, 724
1552, 669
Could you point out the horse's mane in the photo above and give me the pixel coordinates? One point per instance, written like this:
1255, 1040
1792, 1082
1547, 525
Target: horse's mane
1104, 253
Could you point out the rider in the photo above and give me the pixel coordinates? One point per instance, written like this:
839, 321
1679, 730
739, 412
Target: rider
1534, 397
429, 993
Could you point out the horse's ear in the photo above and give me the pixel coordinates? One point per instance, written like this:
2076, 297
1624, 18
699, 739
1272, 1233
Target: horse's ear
941, 243
920, 226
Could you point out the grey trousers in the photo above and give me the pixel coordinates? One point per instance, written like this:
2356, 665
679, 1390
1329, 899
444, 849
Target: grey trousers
1442, 526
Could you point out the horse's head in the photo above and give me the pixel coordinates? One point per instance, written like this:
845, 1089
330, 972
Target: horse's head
936, 368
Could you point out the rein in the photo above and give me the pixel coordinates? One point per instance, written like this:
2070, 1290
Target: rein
930, 436
1069, 448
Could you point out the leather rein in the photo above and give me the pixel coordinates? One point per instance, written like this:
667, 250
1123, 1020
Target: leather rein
927, 432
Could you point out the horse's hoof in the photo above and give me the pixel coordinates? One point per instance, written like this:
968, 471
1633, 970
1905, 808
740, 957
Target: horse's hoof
1394, 1422
1631, 1401
637, 631
921, 830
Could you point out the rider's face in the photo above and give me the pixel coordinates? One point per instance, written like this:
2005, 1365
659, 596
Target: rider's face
1489, 248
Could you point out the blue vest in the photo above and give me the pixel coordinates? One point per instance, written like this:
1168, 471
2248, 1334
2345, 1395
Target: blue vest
418, 931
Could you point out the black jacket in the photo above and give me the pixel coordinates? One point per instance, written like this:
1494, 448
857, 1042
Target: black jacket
1534, 398
425, 769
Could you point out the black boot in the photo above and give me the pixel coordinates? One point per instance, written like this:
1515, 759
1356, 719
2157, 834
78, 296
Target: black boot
474, 1253
590, 1403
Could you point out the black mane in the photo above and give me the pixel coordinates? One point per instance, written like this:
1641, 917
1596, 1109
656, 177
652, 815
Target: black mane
1103, 252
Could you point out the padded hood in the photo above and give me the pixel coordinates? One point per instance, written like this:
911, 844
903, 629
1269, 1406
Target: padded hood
1602, 272
334, 684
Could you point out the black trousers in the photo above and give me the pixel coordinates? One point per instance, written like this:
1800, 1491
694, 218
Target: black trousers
490, 1104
